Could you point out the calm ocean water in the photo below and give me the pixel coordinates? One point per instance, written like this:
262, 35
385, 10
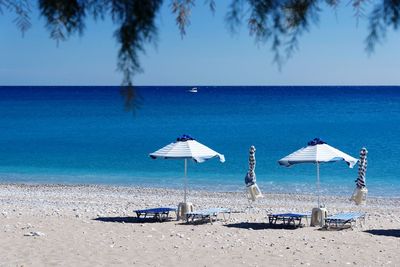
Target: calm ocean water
83, 135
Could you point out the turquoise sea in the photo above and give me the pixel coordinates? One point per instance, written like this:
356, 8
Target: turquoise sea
83, 135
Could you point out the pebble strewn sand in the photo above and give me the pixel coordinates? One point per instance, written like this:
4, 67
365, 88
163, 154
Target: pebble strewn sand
67, 225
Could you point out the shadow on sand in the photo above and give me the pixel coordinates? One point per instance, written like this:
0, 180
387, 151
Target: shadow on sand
384, 232
333, 228
260, 226
127, 220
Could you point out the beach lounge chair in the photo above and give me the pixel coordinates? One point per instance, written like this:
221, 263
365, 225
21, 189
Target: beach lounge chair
341, 220
289, 219
160, 214
207, 214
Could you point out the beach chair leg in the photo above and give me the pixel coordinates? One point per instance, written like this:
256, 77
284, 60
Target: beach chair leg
164, 216
225, 216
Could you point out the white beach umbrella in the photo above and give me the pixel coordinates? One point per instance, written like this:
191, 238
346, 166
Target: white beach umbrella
317, 151
185, 147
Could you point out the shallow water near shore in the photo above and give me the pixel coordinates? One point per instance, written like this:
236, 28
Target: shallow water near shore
83, 135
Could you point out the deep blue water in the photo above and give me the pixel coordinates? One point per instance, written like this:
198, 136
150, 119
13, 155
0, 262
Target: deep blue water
83, 135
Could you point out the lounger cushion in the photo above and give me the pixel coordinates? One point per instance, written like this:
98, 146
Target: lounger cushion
156, 210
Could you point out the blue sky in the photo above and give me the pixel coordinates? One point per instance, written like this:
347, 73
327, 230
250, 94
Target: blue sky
332, 53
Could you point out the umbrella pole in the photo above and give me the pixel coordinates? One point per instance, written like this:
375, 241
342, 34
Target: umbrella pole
318, 188
184, 198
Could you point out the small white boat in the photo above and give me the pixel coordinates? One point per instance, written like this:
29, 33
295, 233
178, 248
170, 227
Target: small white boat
193, 90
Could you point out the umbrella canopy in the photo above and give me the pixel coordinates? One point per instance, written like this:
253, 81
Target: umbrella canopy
250, 178
186, 147
362, 168
317, 151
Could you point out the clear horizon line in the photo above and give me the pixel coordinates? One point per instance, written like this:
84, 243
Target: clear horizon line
141, 85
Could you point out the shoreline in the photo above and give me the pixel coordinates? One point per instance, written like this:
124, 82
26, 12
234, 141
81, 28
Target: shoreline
86, 225
268, 186
173, 189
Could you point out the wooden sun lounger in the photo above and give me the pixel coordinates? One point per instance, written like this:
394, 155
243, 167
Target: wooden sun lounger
207, 214
340, 220
160, 214
289, 218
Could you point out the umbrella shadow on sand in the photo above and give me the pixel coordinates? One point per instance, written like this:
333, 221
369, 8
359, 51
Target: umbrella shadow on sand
384, 232
260, 226
126, 220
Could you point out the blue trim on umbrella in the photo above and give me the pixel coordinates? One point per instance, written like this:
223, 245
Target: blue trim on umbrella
184, 138
316, 141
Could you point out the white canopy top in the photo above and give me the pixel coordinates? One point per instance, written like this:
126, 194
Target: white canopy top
187, 148
317, 153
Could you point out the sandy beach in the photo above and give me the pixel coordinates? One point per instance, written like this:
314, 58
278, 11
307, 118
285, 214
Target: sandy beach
68, 225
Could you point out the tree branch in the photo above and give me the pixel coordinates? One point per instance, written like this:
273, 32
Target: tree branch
182, 10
